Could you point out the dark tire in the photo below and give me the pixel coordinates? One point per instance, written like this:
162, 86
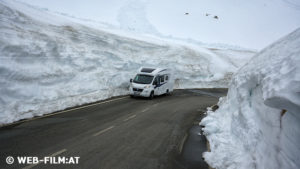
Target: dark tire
132, 96
167, 92
151, 95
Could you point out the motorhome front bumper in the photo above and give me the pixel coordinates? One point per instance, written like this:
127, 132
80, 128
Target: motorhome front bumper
140, 92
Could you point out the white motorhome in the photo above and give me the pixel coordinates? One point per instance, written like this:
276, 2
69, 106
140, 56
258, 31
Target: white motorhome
150, 82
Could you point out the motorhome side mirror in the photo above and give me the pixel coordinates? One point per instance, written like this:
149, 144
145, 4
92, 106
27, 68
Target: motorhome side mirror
155, 83
130, 80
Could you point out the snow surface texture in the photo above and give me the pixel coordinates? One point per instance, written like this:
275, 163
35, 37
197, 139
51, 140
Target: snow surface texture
257, 124
49, 64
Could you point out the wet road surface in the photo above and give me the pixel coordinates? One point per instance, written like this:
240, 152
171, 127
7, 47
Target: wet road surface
120, 133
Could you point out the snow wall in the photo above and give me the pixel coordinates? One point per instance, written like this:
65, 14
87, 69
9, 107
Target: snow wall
258, 124
48, 63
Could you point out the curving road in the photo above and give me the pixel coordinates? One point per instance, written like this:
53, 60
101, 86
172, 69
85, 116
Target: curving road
120, 133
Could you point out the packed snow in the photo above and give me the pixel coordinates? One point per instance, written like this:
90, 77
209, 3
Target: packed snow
49, 63
252, 24
257, 124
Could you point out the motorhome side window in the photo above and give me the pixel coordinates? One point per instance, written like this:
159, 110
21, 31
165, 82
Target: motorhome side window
161, 79
167, 77
155, 81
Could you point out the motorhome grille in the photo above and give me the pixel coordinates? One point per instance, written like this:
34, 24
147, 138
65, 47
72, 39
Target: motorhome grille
147, 70
138, 90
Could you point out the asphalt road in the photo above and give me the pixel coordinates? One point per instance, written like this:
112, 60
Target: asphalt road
121, 133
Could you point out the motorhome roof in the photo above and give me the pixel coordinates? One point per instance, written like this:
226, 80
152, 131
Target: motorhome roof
151, 71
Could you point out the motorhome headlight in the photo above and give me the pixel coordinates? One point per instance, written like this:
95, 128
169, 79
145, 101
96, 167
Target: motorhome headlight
147, 87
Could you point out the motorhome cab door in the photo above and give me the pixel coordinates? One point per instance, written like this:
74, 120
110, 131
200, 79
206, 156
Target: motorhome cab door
161, 86
156, 87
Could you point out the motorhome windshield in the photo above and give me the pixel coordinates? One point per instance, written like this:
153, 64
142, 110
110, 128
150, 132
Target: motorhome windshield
143, 79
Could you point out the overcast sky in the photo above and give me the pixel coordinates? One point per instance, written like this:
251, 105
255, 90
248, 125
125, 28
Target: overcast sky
252, 24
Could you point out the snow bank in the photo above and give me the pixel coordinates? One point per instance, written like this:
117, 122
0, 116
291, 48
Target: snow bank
48, 63
257, 124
